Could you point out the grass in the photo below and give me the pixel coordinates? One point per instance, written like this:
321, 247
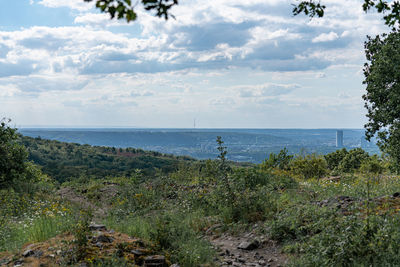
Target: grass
39, 229
172, 213
173, 233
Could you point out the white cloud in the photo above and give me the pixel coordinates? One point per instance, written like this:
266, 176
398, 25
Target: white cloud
73, 4
326, 37
216, 56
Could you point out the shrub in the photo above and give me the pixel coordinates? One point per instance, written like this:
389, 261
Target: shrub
353, 159
333, 159
309, 166
280, 161
372, 165
13, 157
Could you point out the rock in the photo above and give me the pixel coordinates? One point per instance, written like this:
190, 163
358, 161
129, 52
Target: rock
249, 245
19, 262
262, 262
99, 245
103, 239
5, 262
38, 253
228, 262
97, 227
137, 253
28, 253
175, 265
58, 252
156, 261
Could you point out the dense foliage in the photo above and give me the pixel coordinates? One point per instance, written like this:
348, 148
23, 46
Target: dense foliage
14, 167
66, 161
383, 92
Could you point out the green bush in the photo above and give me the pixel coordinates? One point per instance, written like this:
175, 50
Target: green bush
13, 166
309, 166
280, 161
372, 165
333, 159
352, 161
353, 241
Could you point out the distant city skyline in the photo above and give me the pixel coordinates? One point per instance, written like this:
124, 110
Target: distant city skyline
229, 64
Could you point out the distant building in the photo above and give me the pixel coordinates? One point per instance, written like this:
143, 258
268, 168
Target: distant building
339, 138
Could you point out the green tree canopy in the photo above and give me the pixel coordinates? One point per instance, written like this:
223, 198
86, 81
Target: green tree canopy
382, 100
12, 156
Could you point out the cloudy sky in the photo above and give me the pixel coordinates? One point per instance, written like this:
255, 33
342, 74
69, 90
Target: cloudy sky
225, 63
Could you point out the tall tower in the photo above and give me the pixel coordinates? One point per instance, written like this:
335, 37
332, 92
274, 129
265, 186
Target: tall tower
339, 138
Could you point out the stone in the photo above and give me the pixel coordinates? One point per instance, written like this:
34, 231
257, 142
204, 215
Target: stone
251, 245
228, 262
97, 227
103, 239
38, 253
28, 253
175, 265
19, 262
155, 261
137, 253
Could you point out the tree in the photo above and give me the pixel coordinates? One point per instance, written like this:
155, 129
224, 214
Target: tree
125, 9
12, 156
390, 9
382, 100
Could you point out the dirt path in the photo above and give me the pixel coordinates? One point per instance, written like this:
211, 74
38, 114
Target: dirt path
247, 249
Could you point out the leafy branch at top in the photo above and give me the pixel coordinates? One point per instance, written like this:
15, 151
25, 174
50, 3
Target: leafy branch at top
125, 9
390, 9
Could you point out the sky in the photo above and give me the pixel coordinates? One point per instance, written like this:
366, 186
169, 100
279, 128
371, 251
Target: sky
223, 63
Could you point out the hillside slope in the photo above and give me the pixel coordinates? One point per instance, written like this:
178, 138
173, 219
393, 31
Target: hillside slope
65, 161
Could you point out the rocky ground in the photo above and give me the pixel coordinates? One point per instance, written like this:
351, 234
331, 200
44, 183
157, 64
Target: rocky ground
247, 249
102, 246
